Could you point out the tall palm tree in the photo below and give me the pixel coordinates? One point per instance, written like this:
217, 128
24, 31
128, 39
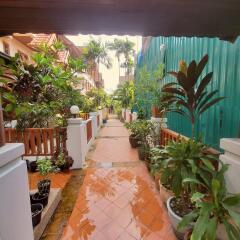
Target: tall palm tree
95, 53
125, 48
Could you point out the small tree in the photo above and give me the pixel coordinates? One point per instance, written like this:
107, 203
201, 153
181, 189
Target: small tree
190, 96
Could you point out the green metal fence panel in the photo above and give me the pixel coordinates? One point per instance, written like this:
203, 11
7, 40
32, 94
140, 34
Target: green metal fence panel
222, 120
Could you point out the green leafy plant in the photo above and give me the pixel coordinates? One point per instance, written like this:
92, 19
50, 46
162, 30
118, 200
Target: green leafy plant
45, 166
180, 160
214, 207
61, 161
189, 94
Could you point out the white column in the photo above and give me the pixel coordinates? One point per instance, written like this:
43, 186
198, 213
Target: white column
100, 112
15, 208
76, 141
128, 112
134, 116
231, 157
93, 116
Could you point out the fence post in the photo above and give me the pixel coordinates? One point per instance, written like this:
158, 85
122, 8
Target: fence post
231, 157
93, 117
15, 210
76, 145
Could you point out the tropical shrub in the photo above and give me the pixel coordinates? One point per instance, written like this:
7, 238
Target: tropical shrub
214, 207
189, 95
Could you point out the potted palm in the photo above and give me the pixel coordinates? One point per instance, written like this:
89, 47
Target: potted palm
133, 127
215, 215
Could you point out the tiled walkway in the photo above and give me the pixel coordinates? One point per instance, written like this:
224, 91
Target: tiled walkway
118, 199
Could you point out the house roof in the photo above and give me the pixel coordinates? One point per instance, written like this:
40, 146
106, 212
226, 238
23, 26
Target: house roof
213, 18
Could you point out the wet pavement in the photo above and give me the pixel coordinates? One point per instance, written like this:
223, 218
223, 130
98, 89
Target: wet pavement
118, 199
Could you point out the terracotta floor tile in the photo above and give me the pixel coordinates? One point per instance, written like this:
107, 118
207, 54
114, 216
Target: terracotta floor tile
126, 236
118, 199
112, 211
112, 231
136, 229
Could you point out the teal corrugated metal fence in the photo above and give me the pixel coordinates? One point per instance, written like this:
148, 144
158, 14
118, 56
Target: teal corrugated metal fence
223, 120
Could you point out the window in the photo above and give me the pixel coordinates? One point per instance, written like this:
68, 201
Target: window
6, 48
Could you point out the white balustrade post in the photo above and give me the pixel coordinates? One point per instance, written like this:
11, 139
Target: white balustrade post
15, 210
231, 156
76, 141
134, 116
93, 116
100, 112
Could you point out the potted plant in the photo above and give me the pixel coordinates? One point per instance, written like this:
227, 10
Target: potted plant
215, 215
36, 210
31, 166
157, 156
180, 160
45, 167
133, 127
62, 161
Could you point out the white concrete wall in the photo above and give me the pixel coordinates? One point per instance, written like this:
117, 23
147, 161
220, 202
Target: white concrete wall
231, 156
15, 208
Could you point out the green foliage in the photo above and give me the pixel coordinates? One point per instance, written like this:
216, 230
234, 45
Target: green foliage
125, 48
38, 94
45, 166
148, 89
96, 52
214, 206
189, 95
125, 94
98, 98
61, 161
183, 159
144, 131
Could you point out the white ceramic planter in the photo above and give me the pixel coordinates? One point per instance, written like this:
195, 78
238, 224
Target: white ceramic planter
175, 220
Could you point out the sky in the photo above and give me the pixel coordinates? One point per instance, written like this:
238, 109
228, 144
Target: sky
110, 76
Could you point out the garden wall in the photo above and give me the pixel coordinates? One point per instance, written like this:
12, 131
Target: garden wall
222, 120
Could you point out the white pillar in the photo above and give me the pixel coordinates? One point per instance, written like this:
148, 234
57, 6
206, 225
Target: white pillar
15, 209
231, 157
77, 141
93, 117
134, 116
128, 112
100, 112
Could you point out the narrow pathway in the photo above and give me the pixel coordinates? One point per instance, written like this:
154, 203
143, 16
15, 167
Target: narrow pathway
118, 199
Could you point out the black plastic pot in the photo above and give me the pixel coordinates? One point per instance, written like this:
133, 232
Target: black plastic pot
40, 198
36, 213
104, 120
133, 141
31, 166
44, 186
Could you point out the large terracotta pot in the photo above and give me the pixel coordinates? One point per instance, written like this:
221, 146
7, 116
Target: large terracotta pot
133, 141
2, 133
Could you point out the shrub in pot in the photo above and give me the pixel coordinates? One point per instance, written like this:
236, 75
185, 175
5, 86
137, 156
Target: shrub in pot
157, 156
215, 215
45, 167
180, 160
62, 161
36, 210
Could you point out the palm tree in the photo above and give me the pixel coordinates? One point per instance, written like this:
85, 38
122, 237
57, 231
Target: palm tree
95, 53
125, 48
125, 94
